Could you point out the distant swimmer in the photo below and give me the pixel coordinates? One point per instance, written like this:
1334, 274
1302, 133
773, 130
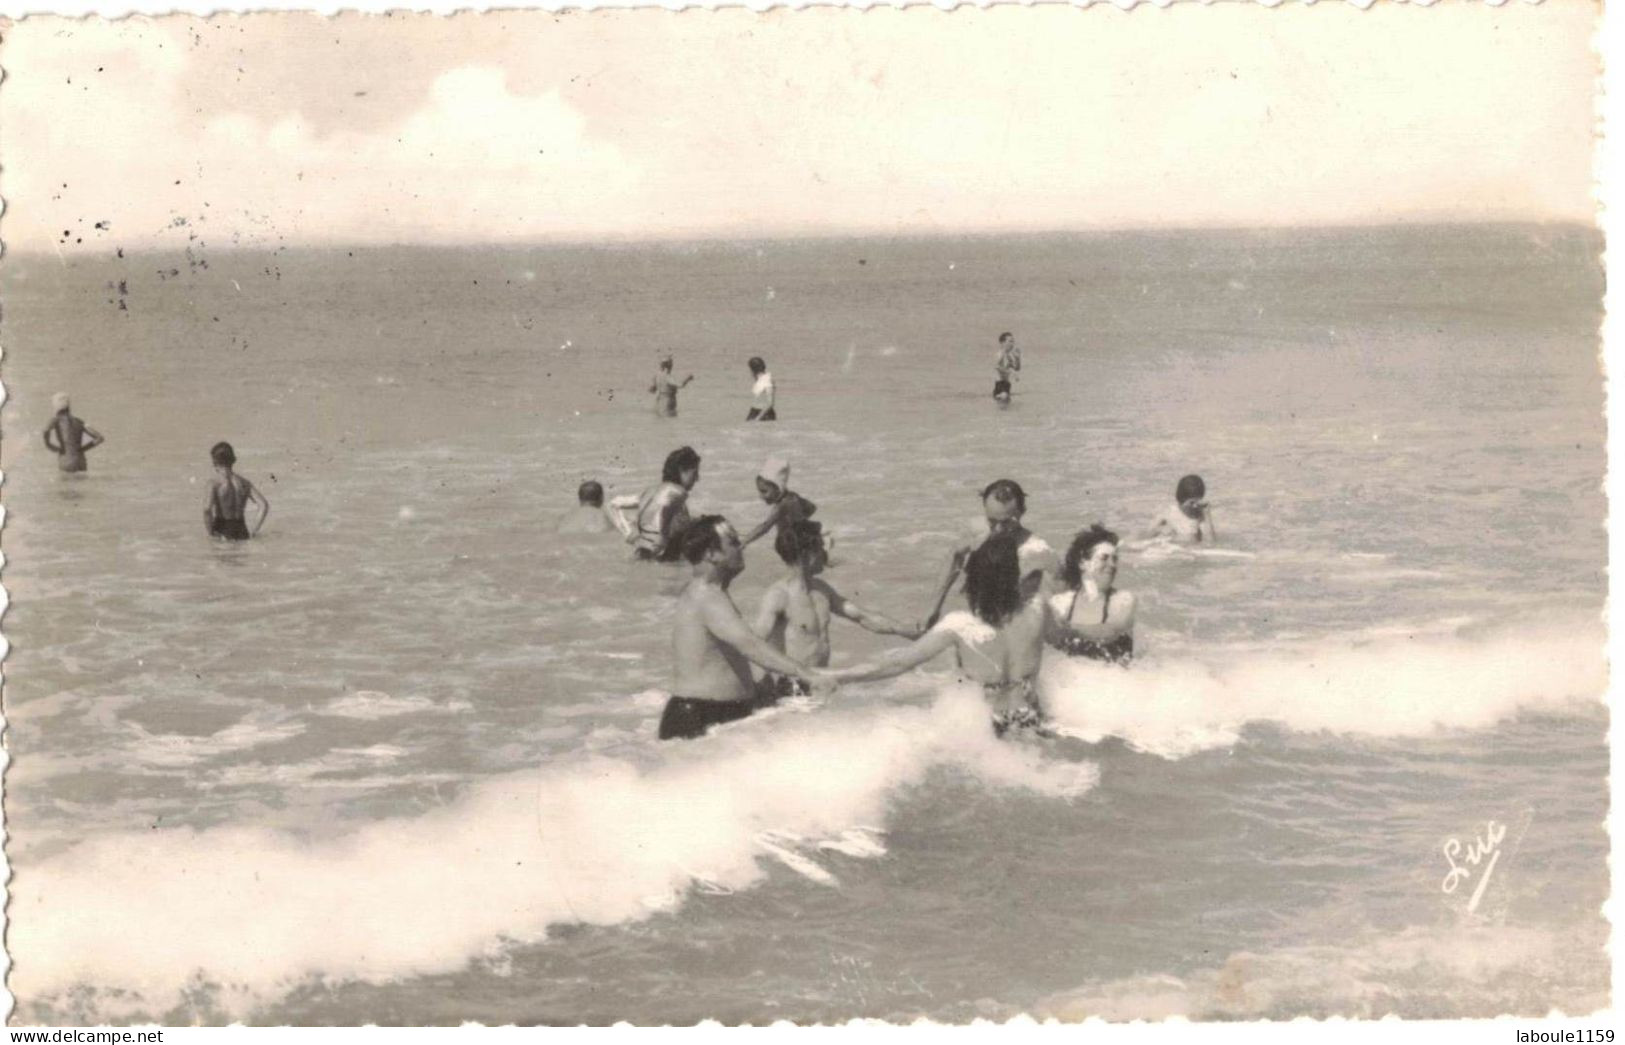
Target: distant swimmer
589, 514
795, 610
1188, 519
229, 496
665, 387
1004, 502
1099, 615
1005, 366
998, 643
761, 392
662, 510
785, 506
68, 437
712, 646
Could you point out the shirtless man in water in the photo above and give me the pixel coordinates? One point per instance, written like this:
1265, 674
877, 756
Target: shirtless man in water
665, 388
712, 646
1005, 366
72, 437
229, 495
589, 515
795, 610
1004, 502
1188, 520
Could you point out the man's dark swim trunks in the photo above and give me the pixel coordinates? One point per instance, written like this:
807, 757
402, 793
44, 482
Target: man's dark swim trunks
757, 414
687, 717
1001, 387
230, 529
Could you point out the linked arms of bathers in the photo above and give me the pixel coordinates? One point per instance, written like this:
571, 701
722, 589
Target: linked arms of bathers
896, 661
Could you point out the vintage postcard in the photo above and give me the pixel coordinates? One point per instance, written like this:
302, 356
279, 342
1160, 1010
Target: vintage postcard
634, 515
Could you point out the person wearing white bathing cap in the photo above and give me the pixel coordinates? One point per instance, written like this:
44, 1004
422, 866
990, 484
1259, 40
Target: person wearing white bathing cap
1004, 502
785, 506
68, 437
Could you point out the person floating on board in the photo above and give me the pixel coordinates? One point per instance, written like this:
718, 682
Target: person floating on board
1100, 615
665, 387
999, 642
662, 510
1005, 366
713, 648
785, 506
229, 495
1004, 502
589, 515
795, 610
761, 391
1189, 519
68, 437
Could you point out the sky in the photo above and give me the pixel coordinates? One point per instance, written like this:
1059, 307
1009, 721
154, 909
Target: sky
292, 129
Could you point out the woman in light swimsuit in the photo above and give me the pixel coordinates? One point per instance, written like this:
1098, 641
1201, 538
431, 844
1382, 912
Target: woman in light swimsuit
1098, 616
999, 642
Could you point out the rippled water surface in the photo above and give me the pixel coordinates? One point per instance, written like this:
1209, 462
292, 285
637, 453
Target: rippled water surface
394, 761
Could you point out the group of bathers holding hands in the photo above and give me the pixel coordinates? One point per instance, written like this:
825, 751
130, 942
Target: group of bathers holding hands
225, 503
1021, 598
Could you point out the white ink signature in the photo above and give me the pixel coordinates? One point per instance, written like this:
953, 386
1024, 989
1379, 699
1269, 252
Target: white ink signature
1483, 846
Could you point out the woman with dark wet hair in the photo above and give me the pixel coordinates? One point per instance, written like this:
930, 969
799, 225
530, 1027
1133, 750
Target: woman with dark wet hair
999, 640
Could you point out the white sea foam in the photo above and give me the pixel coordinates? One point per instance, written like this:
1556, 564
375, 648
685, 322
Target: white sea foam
372, 704
1391, 687
595, 839
1460, 971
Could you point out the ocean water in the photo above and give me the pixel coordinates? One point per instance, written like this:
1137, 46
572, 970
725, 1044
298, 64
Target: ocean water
395, 762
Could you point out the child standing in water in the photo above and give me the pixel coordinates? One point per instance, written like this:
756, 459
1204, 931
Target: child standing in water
665, 387
229, 495
72, 437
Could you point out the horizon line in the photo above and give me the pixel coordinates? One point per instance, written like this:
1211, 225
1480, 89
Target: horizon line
725, 238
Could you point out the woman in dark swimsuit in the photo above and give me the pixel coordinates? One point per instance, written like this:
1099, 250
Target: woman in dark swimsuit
1100, 616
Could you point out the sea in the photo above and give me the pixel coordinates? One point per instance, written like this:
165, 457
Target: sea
395, 761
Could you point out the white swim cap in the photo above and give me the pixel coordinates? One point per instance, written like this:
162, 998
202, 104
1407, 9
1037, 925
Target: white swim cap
776, 470
59, 402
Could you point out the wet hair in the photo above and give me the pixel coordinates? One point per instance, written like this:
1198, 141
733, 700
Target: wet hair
666, 363
679, 461
800, 536
591, 493
1083, 545
702, 536
1005, 491
993, 579
223, 455
1190, 487
756, 365
1006, 336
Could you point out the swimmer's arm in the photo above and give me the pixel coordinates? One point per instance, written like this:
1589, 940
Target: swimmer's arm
899, 660
208, 505
95, 439
686, 380
956, 563
726, 625
50, 430
1207, 523
259, 501
878, 623
773, 516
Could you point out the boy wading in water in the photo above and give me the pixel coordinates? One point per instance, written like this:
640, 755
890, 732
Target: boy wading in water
229, 494
1006, 366
795, 610
72, 437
